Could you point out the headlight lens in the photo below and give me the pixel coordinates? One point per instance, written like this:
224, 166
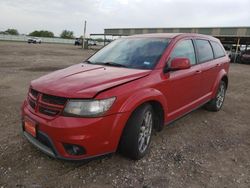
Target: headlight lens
88, 108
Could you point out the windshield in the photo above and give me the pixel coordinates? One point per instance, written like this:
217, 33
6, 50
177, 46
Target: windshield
138, 53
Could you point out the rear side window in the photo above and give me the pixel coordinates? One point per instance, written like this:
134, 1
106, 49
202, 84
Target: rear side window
218, 50
205, 52
185, 49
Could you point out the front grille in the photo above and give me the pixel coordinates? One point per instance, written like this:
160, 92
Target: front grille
47, 111
45, 104
32, 104
53, 99
34, 93
44, 140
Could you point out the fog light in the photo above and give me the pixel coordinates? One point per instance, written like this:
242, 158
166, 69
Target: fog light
74, 149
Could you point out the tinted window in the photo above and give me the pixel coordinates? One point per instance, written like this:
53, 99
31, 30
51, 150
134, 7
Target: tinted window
218, 51
184, 49
205, 52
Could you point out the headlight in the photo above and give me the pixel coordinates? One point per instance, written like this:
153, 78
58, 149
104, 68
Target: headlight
88, 108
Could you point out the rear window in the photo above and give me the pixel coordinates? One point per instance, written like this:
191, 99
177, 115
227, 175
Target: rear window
205, 52
218, 50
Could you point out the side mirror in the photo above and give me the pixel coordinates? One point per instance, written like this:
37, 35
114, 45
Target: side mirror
178, 63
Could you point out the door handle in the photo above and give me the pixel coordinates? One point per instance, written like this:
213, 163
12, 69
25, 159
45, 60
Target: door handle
218, 64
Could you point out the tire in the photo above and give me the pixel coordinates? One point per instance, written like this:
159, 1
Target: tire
216, 104
136, 137
238, 59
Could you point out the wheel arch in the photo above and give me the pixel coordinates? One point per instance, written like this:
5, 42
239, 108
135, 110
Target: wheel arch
225, 79
153, 97
221, 76
159, 115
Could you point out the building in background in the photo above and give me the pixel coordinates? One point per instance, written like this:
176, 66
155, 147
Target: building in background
229, 36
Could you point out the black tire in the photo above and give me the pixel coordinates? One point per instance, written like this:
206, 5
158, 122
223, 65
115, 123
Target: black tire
129, 143
216, 104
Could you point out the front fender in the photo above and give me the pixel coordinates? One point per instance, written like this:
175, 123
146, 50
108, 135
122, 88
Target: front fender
126, 109
142, 96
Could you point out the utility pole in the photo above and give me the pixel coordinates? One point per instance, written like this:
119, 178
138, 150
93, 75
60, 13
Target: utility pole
236, 50
84, 33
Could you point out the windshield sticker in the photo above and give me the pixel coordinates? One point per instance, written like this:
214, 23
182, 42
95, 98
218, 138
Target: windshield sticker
146, 63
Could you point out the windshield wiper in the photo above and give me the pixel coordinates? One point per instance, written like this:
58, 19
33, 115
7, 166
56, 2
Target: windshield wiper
87, 61
114, 64
106, 63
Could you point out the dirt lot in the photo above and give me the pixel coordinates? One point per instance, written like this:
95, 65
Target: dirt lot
203, 149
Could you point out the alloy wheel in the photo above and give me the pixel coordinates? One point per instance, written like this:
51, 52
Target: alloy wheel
145, 131
220, 96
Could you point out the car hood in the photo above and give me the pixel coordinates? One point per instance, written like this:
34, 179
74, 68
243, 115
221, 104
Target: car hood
85, 80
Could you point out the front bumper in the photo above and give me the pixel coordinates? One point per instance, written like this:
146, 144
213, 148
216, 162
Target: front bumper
98, 136
41, 146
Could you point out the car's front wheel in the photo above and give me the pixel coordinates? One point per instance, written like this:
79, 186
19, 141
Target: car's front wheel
137, 133
216, 103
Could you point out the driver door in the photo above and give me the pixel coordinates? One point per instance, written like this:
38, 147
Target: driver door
182, 87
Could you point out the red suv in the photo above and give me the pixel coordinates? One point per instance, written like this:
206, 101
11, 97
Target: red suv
114, 100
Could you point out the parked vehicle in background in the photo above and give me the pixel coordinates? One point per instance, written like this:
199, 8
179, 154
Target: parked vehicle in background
235, 54
91, 43
78, 42
34, 40
228, 50
245, 57
114, 100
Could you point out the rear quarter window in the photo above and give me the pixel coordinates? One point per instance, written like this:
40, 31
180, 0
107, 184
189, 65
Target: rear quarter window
218, 50
204, 49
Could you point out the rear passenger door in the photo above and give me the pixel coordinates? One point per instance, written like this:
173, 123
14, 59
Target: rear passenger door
209, 66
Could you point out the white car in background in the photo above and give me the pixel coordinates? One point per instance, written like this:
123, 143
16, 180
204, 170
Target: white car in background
34, 40
91, 43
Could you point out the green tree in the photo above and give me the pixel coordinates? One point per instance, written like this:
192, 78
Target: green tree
12, 32
67, 34
42, 33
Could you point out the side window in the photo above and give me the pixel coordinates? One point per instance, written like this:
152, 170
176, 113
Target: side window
185, 49
218, 51
205, 52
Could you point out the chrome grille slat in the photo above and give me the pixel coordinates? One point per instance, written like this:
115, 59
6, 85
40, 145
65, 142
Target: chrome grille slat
45, 104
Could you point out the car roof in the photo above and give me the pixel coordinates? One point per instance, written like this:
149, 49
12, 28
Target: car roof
172, 35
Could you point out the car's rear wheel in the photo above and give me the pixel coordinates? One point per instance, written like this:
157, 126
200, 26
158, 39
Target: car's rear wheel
216, 103
137, 133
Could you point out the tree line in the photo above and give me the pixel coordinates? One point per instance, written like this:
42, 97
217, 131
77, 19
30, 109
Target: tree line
66, 34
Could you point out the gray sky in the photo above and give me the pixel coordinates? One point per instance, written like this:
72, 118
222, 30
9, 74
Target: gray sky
56, 15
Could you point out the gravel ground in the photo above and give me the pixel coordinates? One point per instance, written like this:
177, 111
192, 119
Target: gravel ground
203, 149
